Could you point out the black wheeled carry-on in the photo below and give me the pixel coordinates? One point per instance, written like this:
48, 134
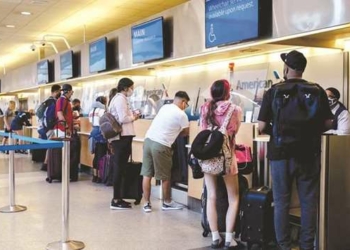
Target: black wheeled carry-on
38, 155
132, 181
221, 205
257, 217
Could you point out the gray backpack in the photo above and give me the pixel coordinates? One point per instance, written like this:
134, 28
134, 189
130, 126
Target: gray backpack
109, 126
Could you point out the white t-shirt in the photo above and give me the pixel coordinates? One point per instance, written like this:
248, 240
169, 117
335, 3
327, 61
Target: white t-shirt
94, 116
167, 125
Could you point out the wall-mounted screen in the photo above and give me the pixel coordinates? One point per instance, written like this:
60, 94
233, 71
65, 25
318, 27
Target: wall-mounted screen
98, 52
43, 72
66, 64
234, 21
147, 41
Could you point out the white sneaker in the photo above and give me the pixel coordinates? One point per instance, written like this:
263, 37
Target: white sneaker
147, 208
172, 206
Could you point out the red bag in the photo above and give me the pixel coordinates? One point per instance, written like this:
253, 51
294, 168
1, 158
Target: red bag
244, 159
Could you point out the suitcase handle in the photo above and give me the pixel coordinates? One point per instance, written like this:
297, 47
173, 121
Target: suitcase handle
263, 188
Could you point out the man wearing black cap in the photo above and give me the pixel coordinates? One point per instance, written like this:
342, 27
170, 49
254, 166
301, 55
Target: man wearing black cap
341, 122
294, 147
64, 112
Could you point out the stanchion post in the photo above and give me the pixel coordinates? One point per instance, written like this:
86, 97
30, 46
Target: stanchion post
12, 208
65, 243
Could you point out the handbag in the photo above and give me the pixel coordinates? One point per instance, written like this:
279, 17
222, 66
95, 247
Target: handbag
244, 159
196, 168
218, 165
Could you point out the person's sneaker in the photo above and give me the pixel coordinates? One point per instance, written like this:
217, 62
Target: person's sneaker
172, 206
147, 208
120, 205
43, 167
230, 245
216, 244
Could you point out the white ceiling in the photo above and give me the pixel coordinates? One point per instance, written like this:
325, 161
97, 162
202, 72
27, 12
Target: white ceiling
68, 18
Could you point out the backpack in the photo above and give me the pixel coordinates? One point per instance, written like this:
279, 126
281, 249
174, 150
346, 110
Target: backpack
212, 148
109, 126
296, 112
47, 113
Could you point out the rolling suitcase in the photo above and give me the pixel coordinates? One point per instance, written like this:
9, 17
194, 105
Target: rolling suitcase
132, 182
105, 171
257, 224
38, 155
221, 205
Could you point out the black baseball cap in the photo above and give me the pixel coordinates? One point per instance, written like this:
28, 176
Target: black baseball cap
67, 87
294, 60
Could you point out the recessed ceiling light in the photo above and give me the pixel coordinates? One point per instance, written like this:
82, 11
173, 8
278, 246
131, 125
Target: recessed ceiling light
10, 26
26, 13
39, 2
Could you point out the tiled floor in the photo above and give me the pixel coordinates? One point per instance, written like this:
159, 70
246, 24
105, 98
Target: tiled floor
91, 220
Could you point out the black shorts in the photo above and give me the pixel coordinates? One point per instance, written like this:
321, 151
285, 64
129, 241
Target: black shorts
7, 131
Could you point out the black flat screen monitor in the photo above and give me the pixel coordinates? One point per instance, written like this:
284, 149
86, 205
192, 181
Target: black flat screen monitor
98, 53
43, 72
233, 21
147, 41
66, 64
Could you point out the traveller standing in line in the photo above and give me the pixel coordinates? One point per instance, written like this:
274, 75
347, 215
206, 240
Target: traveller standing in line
170, 122
213, 113
99, 142
21, 118
121, 145
341, 122
299, 159
64, 112
43, 132
8, 118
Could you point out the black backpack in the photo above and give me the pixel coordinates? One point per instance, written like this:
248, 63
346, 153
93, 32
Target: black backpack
207, 144
296, 112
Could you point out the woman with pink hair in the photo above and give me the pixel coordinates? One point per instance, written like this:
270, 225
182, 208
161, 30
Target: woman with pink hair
213, 113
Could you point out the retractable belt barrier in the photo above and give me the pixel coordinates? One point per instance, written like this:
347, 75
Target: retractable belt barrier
65, 243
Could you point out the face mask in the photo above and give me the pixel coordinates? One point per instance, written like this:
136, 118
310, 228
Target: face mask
58, 95
332, 101
129, 93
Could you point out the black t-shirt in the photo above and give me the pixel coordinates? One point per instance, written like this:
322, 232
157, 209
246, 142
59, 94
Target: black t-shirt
304, 149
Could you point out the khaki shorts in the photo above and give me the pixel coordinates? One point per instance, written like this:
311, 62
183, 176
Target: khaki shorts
157, 160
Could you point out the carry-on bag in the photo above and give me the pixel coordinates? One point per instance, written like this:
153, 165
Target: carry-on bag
132, 181
38, 155
221, 205
105, 171
257, 217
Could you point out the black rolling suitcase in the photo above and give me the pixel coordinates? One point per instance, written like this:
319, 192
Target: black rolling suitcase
221, 205
257, 224
75, 146
38, 155
132, 181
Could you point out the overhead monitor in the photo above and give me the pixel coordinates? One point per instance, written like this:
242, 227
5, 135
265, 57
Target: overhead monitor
66, 65
148, 41
233, 21
98, 55
43, 72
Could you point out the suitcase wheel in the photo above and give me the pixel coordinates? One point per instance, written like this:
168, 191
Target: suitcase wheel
49, 180
137, 202
205, 233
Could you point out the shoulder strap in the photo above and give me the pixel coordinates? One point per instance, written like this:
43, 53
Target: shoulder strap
227, 118
93, 115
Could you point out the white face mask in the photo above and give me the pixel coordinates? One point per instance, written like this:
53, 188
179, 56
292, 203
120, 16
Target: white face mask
332, 101
129, 92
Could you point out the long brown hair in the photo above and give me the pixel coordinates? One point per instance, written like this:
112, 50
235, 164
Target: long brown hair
220, 91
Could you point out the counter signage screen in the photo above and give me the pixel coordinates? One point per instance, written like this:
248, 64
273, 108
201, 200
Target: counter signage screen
43, 72
98, 55
230, 21
148, 41
66, 63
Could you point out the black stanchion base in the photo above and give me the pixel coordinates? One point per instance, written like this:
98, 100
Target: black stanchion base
13, 209
69, 245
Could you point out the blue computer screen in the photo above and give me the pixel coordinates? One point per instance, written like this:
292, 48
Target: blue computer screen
43, 72
66, 63
98, 55
147, 41
230, 21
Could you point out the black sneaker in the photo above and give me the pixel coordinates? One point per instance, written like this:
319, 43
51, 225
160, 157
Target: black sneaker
216, 244
120, 205
147, 208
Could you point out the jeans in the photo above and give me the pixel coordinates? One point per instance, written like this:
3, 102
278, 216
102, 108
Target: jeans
307, 175
119, 159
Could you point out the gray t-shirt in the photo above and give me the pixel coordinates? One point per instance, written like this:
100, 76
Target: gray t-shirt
10, 115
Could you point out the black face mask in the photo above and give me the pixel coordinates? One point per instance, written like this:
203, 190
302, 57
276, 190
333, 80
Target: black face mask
76, 108
58, 95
